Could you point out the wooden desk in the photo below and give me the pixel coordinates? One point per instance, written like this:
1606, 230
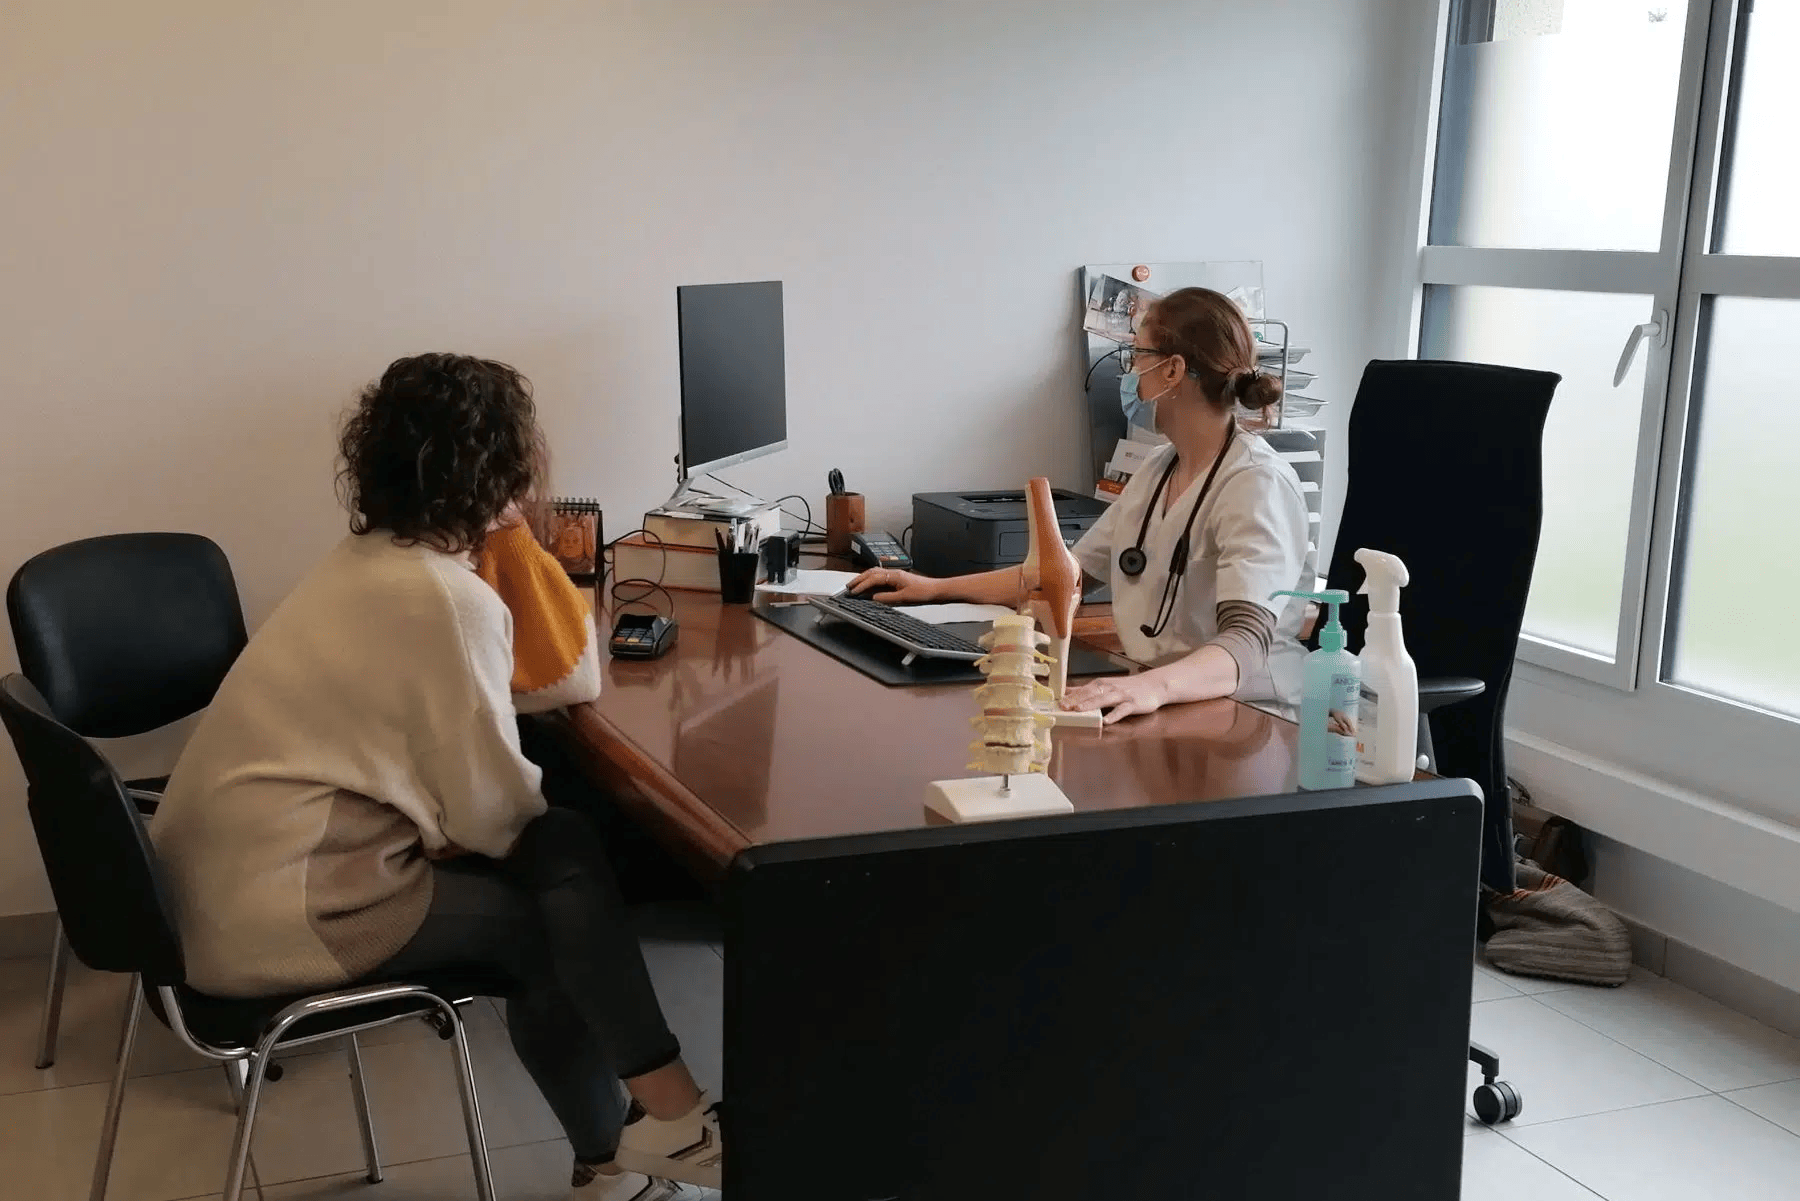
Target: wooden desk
744, 734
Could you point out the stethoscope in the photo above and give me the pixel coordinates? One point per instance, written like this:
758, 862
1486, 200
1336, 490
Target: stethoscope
1133, 560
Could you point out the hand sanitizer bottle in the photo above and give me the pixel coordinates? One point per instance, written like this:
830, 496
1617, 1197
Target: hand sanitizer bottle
1387, 744
1329, 692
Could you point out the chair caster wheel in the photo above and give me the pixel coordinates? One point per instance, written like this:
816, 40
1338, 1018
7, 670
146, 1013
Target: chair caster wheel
1497, 1102
272, 1073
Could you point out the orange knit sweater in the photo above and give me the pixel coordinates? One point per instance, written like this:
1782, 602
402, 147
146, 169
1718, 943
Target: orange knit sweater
555, 658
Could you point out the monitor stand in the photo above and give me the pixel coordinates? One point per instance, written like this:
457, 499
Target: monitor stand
690, 499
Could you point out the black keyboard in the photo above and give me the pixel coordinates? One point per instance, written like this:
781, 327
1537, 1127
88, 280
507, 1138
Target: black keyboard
898, 627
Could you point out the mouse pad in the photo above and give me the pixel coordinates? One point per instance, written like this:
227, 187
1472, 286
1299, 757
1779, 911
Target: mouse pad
879, 659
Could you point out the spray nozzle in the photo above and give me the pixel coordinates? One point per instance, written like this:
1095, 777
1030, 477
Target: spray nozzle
1384, 576
1331, 638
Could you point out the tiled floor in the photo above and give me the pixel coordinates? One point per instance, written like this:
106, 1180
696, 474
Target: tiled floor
1637, 1094
177, 1123
1649, 1092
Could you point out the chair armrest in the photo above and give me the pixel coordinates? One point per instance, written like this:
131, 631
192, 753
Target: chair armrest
1437, 691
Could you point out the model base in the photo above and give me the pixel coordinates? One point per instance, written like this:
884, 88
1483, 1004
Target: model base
986, 798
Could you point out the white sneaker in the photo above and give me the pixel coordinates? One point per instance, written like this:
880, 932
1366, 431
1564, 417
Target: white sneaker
590, 1184
687, 1148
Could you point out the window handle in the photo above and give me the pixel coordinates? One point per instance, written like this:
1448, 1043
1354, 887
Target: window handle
1657, 330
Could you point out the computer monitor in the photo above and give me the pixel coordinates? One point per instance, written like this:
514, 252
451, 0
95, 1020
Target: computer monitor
733, 374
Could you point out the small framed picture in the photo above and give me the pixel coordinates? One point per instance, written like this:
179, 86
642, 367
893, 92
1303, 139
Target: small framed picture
573, 536
1115, 309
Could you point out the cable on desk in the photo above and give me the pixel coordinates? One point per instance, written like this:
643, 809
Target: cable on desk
810, 525
906, 541
648, 587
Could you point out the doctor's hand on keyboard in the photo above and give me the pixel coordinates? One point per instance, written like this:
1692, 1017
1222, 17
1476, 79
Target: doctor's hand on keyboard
893, 587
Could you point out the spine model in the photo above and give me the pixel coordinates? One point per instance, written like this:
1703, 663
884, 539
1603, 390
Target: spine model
1015, 721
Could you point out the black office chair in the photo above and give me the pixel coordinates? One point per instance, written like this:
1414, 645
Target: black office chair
122, 635
1446, 471
117, 917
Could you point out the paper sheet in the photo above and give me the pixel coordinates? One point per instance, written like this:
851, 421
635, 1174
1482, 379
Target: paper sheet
812, 583
938, 615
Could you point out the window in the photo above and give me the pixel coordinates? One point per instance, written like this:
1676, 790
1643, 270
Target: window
1556, 123
1758, 215
1614, 189
1590, 440
1743, 494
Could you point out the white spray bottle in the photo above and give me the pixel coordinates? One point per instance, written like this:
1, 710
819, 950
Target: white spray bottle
1387, 740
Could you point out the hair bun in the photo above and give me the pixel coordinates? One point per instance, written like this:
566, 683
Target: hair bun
1253, 389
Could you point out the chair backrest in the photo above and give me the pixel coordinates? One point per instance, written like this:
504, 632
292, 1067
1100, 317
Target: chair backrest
1446, 471
128, 632
103, 871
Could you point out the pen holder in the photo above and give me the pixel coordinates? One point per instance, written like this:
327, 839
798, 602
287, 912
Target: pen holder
737, 576
843, 517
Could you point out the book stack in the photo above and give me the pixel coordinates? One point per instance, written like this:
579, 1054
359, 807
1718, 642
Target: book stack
678, 548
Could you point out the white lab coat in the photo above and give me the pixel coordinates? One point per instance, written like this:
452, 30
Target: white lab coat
1250, 539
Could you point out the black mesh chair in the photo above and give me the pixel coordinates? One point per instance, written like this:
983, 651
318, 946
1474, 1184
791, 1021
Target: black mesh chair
1446, 471
122, 635
117, 917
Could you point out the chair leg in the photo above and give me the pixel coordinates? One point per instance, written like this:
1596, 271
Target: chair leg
465, 1080
53, 998
366, 1120
1425, 746
115, 1100
239, 1160
235, 1072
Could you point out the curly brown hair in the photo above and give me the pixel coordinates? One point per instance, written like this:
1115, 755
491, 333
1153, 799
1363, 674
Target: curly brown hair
438, 448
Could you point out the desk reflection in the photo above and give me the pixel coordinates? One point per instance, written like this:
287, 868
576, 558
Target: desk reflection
725, 750
1203, 751
745, 734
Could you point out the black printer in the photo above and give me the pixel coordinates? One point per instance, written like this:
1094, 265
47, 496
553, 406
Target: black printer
955, 533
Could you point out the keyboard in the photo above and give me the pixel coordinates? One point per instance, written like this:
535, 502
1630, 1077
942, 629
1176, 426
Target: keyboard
898, 627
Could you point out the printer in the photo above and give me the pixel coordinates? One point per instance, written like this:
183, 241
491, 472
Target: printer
955, 533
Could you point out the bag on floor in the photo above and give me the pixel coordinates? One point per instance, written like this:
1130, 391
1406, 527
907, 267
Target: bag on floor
1550, 928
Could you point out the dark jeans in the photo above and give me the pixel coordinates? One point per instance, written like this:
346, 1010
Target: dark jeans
644, 870
549, 917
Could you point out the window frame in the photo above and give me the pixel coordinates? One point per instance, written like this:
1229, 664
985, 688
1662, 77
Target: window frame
1629, 718
1657, 274
1705, 275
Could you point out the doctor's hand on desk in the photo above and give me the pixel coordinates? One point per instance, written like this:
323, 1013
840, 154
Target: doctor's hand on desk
896, 587
1202, 675
1120, 696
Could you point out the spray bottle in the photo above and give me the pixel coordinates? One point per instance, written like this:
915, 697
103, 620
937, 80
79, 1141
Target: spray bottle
1387, 744
1328, 697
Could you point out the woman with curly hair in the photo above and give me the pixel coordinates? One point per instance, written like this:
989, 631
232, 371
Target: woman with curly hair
354, 805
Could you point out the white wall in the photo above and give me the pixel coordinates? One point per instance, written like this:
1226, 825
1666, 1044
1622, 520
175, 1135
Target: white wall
222, 217
1746, 931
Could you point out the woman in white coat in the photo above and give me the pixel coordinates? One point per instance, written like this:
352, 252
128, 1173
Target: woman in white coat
1207, 530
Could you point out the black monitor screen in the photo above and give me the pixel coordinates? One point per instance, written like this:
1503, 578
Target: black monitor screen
733, 373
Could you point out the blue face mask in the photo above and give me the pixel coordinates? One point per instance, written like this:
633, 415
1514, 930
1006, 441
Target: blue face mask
1138, 411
